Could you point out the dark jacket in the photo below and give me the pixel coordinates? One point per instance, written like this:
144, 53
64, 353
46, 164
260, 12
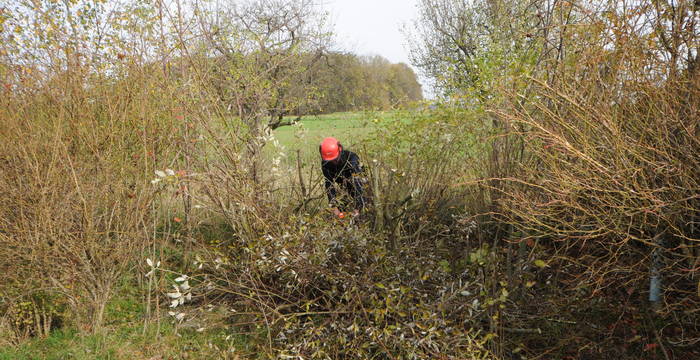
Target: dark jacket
346, 173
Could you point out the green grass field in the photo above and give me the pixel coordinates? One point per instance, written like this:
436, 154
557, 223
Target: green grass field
350, 128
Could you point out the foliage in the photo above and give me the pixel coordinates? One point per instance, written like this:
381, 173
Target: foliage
84, 135
609, 187
265, 48
346, 82
307, 286
467, 47
519, 217
590, 106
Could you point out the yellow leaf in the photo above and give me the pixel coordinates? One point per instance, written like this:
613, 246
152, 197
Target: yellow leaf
529, 284
540, 263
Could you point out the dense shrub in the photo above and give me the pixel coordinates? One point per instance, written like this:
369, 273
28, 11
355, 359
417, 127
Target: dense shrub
77, 162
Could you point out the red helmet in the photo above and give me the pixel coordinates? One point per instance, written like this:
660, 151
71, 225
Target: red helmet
330, 148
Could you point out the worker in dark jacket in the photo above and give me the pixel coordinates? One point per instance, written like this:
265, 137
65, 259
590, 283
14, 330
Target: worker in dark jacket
342, 167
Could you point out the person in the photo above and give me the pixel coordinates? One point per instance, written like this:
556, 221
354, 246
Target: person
341, 167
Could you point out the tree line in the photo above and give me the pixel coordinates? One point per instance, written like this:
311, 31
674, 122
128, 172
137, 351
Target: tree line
347, 82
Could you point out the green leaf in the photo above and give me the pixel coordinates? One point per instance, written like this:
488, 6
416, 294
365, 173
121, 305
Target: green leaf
445, 265
540, 263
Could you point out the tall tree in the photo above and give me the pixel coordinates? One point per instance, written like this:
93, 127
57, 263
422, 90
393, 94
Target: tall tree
266, 47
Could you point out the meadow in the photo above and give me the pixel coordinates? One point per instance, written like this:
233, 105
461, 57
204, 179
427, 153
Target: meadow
352, 129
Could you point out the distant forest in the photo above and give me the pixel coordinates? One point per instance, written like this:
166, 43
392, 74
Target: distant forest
346, 82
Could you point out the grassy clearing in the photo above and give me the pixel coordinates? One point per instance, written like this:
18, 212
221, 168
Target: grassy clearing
350, 128
353, 129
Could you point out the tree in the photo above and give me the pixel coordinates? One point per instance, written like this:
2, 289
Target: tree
265, 48
403, 84
448, 36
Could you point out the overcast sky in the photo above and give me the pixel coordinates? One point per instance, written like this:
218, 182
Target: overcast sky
368, 27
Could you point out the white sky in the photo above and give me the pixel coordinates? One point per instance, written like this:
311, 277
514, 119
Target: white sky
372, 27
